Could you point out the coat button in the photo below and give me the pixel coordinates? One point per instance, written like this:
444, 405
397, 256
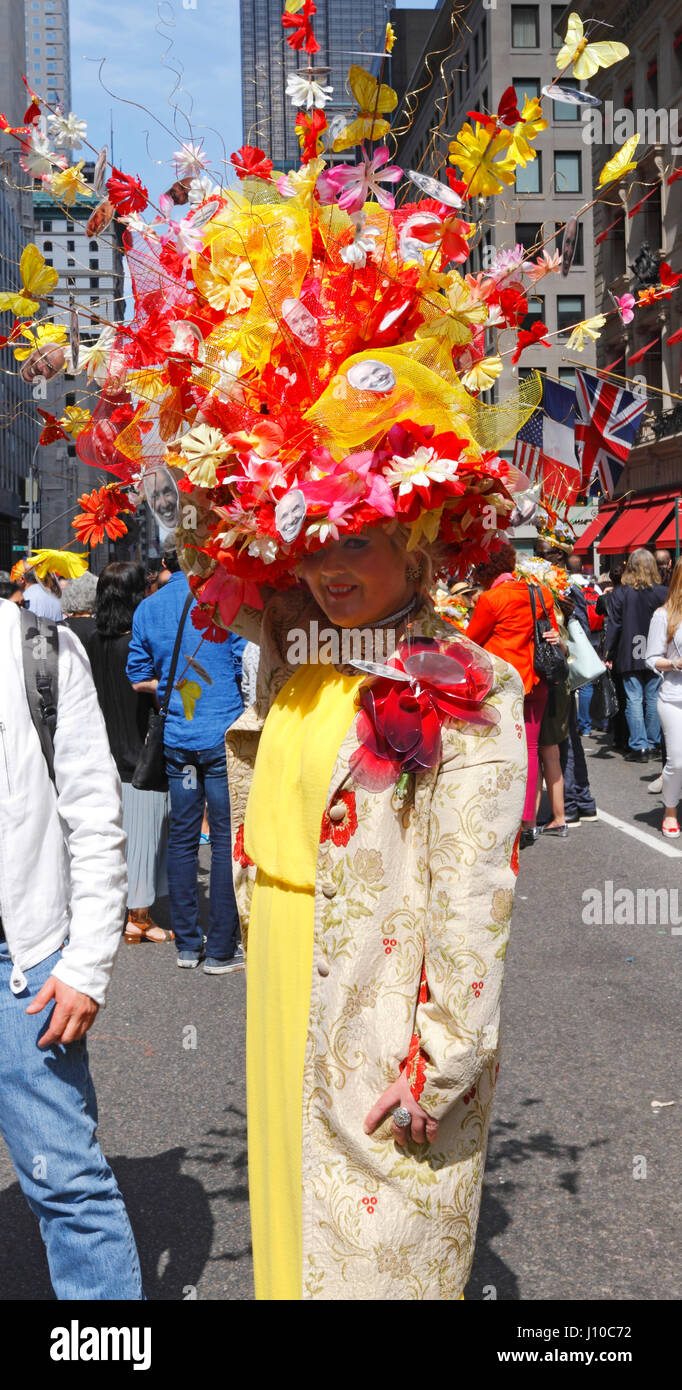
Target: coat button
329, 890
338, 812
322, 968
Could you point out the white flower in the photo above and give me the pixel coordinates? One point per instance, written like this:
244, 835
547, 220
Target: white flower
200, 189
363, 246
265, 548
39, 158
304, 92
203, 449
135, 223
322, 531
67, 130
190, 160
419, 470
94, 359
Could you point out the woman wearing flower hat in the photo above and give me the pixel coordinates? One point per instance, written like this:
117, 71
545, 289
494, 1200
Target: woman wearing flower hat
377, 930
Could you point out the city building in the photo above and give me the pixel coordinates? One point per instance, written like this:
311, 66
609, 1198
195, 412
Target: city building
48, 58
18, 435
642, 94
90, 276
349, 32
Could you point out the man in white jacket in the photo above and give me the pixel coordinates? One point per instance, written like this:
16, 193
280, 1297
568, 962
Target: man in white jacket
62, 902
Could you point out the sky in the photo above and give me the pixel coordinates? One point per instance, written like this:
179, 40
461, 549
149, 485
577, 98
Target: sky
181, 63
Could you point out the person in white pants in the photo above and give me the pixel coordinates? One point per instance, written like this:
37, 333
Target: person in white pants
664, 656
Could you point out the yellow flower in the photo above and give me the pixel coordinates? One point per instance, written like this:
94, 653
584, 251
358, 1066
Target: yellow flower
68, 183
75, 420
390, 39
203, 450
526, 130
588, 330
621, 163
39, 337
483, 374
228, 283
63, 562
477, 157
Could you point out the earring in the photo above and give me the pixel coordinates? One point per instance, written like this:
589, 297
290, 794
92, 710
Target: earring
413, 574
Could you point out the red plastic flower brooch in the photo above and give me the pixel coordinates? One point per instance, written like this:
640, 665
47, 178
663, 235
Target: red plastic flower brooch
429, 683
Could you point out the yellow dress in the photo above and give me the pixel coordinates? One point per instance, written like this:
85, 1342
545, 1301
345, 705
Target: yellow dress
301, 738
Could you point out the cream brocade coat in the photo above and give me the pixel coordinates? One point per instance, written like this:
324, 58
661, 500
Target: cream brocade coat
428, 881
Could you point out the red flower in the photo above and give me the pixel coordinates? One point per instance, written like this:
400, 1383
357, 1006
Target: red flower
301, 35
250, 162
339, 832
99, 518
528, 337
514, 306
309, 128
51, 429
239, 853
126, 194
399, 722
202, 620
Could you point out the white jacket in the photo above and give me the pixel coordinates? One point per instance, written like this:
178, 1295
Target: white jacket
62, 852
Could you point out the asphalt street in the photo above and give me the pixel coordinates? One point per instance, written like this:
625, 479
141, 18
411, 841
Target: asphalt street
581, 1197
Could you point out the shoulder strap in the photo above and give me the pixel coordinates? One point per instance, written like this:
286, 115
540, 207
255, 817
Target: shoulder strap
531, 595
176, 652
40, 656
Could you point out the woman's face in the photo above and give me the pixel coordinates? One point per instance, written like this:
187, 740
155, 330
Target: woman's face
359, 579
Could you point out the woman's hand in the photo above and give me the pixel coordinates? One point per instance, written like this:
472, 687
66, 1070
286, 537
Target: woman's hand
422, 1126
552, 637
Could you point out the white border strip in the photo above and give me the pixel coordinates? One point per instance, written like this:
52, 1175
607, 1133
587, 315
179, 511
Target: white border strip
660, 845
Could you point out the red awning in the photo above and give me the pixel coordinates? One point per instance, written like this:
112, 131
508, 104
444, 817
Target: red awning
594, 529
667, 537
635, 526
655, 517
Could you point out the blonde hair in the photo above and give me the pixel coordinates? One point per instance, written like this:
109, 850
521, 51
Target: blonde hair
641, 570
673, 605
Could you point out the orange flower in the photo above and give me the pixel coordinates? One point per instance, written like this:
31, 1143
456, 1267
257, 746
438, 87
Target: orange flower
98, 517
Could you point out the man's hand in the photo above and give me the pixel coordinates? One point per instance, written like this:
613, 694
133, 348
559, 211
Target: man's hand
72, 1015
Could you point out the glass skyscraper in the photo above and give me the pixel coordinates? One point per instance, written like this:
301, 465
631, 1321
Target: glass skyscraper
350, 32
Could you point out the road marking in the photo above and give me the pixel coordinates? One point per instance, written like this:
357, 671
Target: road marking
661, 845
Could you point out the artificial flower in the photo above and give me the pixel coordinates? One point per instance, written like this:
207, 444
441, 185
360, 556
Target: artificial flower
300, 30
419, 470
99, 515
200, 189
374, 102
304, 91
300, 183
625, 304
190, 160
310, 127
483, 374
362, 245
64, 562
587, 331
353, 183
485, 162
37, 278
38, 337
228, 284
621, 163
139, 227
531, 123
126, 193
51, 430
546, 264
67, 130
534, 336
250, 163
37, 157
203, 449
74, 420
69, 184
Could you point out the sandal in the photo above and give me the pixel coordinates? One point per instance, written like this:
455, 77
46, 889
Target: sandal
143, 924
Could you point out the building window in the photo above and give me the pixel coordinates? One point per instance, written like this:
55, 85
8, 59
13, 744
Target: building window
70, 245
525, 87
565, 110
47, 246
51, 67
94, 282
36, 52
46, 226
94, 246
567, 377
93, 263
568, 171
525, 26
37, 67
570, 309
557, 26
48, 261
536, 312
579, 255
71, 282
70, 261
69, 225
94, 300
529, 176
528, 235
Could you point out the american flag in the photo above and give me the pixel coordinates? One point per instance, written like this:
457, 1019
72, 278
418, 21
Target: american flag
545, 445
606, 427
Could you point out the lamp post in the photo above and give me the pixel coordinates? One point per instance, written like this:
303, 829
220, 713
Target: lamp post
32, 481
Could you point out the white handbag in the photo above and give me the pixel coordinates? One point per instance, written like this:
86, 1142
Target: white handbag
584, 665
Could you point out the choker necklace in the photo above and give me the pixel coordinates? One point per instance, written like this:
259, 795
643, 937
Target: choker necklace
396, 617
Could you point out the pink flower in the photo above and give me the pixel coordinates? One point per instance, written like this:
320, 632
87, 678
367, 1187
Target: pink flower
353, 183
626, 305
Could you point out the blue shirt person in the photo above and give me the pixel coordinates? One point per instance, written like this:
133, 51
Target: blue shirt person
195, 764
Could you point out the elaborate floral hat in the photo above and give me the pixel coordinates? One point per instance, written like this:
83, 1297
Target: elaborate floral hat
306, 355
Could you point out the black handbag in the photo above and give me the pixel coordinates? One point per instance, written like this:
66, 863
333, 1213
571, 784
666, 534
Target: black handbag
150, 769
604, 702
549, 661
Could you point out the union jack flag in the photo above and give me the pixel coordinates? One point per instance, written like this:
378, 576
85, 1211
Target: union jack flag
607, 421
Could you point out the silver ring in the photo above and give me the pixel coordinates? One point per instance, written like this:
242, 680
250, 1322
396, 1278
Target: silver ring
402, 1117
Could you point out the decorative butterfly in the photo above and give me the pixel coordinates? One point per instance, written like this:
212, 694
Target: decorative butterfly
586, 58
37, 278
621, 163
507, 111
374, 102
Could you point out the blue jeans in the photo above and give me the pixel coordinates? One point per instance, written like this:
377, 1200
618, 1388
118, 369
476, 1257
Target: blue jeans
641, 695
577, 793
48, 1119
195, 777
585, 694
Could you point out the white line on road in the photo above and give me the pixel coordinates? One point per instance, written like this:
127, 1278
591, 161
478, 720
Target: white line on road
661, 846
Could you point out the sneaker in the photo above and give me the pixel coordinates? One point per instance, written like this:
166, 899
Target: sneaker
589, 815
656, 786
188, 960
573, 819
204, 839
212, 966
